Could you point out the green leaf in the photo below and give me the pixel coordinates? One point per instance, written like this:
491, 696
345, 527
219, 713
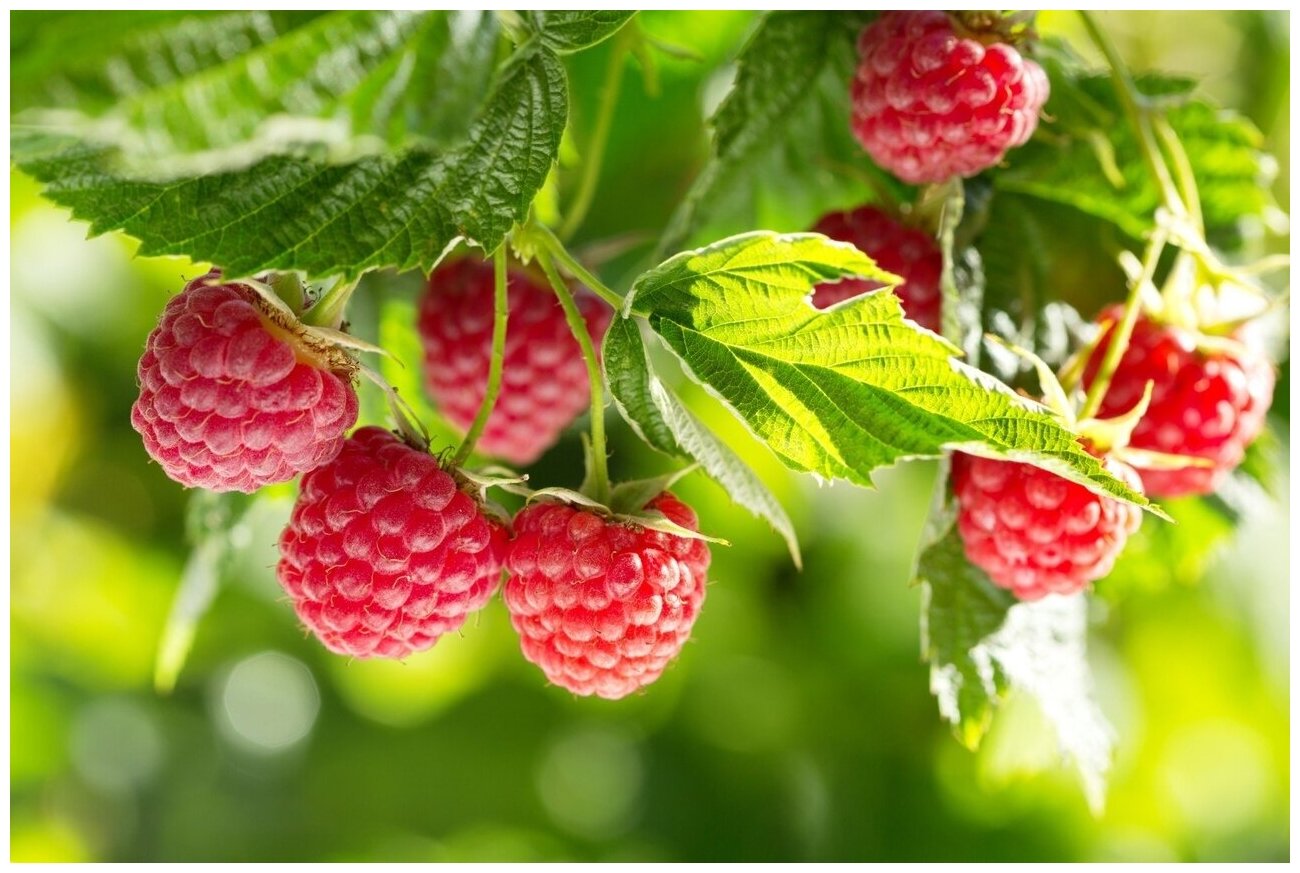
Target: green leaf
627, 370
571, 31
1064, 163
432, 87
89, 63
210, 83
302, 212
961, 609
843, 391
664, 422
211, 523
631, 497
781, 141
981, 643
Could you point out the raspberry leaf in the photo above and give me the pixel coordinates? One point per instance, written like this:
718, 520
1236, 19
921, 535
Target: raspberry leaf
961, 608
1232, 172
169, 85
843, 391
570, 31
981, 643
300, 212
656, 414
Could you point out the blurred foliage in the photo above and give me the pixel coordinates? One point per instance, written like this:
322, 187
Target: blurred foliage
797, 724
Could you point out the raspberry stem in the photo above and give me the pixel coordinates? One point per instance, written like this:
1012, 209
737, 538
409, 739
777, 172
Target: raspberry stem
1139, 115
575, 268
599, 474
1179, 198
500, 316
1182, 166
595, 155
1124, 330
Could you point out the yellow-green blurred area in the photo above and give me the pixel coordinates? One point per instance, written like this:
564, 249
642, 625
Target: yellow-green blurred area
797, 724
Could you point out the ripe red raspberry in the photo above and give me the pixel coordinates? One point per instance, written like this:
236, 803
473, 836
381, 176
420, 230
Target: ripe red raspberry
1209, 404
928, 105
383, 553
1035, 533
544, 383
904, 251
232, 398
603, 606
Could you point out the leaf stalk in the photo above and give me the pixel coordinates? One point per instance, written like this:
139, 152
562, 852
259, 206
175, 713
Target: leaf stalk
595, 155
500, 316
599, 473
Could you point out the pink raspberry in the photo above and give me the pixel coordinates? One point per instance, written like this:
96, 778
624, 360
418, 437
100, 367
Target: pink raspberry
1208, 404
928, 105
602, 606
1035, 533
903, 251
384, 553
544, 383
232, 398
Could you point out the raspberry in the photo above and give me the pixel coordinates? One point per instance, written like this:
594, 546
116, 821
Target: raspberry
383, 553
544, 383
1035, 533
1208, 404
231, 398
928, 106
603, 606
904, 251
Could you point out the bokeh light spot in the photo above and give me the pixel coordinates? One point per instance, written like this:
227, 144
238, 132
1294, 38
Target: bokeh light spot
115, 745
267, 703
590, 781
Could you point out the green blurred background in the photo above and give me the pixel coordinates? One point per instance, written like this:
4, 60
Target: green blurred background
796, 725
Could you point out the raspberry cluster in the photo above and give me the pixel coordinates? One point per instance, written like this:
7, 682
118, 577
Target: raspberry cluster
544, 383
929, 105
231, 399
386, 549
1035, 533
1205, 403
903, 251
603, 606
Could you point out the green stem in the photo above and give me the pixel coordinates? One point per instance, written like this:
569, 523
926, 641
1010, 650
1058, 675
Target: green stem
576, 269
950, 201
501, 312
328, 311
1124, 331
600, 470
1138, 112
1184, 177
595, 155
